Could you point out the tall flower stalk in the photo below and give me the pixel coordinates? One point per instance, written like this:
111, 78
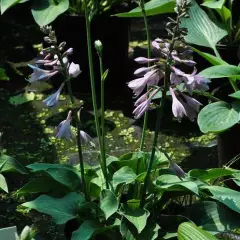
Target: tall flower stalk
94, 100
142, 6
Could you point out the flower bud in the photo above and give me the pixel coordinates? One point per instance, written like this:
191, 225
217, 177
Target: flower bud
62, 45
48, 40
98, 46
26, 234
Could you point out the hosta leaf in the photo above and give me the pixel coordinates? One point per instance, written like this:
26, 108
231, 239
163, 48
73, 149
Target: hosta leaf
214, 4
221, 71
154, 7
189, 231
201, 29
46, 11
229, 197
108, 203
6, 4
3, 183
217, 117
61, 209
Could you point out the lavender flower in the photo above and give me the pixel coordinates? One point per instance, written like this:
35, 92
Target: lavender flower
86, 139
40, 74
74, 70
143, 60
187, 106
64, 128
143, 103
52, 100
192, 81
177, 169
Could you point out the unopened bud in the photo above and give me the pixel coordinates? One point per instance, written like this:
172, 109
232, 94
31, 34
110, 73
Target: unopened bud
26, 234
98, 46
62, 45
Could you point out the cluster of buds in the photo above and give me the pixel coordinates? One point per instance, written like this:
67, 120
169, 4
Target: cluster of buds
171, 56
52, 61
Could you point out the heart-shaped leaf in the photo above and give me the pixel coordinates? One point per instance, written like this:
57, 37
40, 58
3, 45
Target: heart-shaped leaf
61, 209
6, 4
154, 7
217, 117
216, 4
201, 29
46, 11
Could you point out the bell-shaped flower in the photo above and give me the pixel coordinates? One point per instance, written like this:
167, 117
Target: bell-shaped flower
52, 100
188, 62
40, 74
74, 70
177, 169
143, 103
64, 128
86, 139
143, 60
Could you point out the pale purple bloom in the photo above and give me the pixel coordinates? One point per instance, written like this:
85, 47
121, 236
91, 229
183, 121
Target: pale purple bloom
189, 107
143, 104
177, 169
74, 70
143, 70
150, 78
68, 52
188, 62
52, 100
143, 60
155, 44
175, 79
40, 74
86, 138
64, 128
177, 107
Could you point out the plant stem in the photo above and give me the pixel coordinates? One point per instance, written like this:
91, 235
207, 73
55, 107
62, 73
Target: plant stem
103, 123
142, 2
79, 144
91, 70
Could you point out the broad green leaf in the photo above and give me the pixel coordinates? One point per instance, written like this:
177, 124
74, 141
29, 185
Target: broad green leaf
201, 29
227, 196
217, 117
150, 232
216, 4
6, 4
154, 7
36, 167
213, 216
3, 183
39, 185
46, 11
11, 165
138, 217
3, 75
210, 174
8, 233
90, 228
22, 98
235, 95
108, 203
124, 175
221, 71
189, 231
61, 209
209, 57
168, 182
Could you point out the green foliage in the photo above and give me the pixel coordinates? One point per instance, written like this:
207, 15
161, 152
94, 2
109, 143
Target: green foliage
61, 209
216, 4
189, 231
108, 203
217, 117
3, 183
201, 29
46, 11
22, 98
154, 7
3, 75
6, 4
221, 71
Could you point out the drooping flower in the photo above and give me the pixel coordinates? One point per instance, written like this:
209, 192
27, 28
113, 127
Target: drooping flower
177, 169
143, 60
143, 103
52, 100
74, 70
40, 74
64, 128
186, 105
86, 139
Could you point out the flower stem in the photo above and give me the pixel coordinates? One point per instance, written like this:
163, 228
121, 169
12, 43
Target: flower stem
79, 144
91, 70
103, 152
142, 2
